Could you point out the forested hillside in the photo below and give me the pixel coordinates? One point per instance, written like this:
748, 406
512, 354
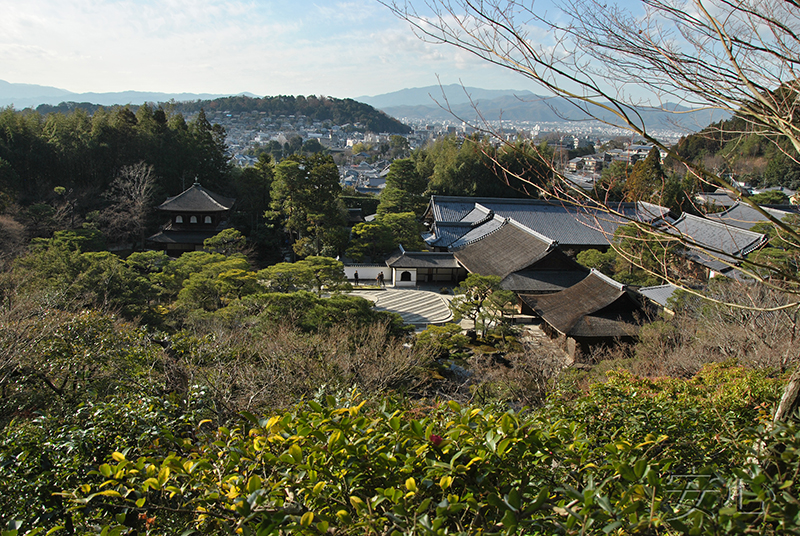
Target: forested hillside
336, 111
751, 158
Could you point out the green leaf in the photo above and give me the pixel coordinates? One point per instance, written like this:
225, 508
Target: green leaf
163, 476
296, 453
509, 521
307, 519
253, 484
513, 500
394, 423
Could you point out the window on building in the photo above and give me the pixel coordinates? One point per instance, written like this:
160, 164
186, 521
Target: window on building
207, 219
193, 219
178, 219
405, 276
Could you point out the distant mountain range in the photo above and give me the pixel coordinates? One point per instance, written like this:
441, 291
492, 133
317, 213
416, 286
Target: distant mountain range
30, 96
432, 103
440, 103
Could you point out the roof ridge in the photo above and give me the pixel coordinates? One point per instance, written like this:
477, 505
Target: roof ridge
534, 232
607, 279
481, 237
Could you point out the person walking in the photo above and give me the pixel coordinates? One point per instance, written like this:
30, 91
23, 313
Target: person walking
380, 280
355, 277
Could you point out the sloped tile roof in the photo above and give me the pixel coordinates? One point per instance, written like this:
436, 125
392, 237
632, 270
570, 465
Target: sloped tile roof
445, 233
181, 237
569, 225
744, 216
542, 281
718, 245
660, 294
597, 306
479, 230
508, 248
423, 259
197, 199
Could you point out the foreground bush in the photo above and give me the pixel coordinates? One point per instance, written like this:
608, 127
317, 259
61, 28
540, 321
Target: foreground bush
336, 467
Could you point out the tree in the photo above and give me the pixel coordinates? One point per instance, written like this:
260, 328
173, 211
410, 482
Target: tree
479, 298
406, 229
310, 273
312, 146
227, 242
305, 192
405, 189
131, 196
371, 240
399, 147
646, 181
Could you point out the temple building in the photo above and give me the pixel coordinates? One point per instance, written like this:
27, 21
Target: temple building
194, 215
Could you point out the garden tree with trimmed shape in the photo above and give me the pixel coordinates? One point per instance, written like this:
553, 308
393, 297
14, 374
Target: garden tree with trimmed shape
739, 57
227, 242
481, 299
371, 240
312, 273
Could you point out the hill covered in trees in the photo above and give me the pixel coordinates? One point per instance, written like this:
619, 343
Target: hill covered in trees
337, 111
741, 149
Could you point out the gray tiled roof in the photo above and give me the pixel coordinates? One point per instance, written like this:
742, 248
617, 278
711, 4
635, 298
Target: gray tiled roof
478, 231
660, 294
445, 233
423, 259
197, 199
744, 216
569, 225
508, 248
731, 243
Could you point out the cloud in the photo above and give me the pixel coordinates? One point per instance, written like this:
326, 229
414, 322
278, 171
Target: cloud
305, 47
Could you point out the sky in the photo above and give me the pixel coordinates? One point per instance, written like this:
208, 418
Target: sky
290, 47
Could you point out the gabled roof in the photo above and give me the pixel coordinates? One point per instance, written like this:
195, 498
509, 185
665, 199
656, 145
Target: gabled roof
508, 248
731, 243
597, 306
569, 225
197, 199
744, 216
445, 233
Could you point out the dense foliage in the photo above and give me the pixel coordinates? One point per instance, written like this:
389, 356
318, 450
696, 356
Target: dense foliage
337, 111
631, 457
